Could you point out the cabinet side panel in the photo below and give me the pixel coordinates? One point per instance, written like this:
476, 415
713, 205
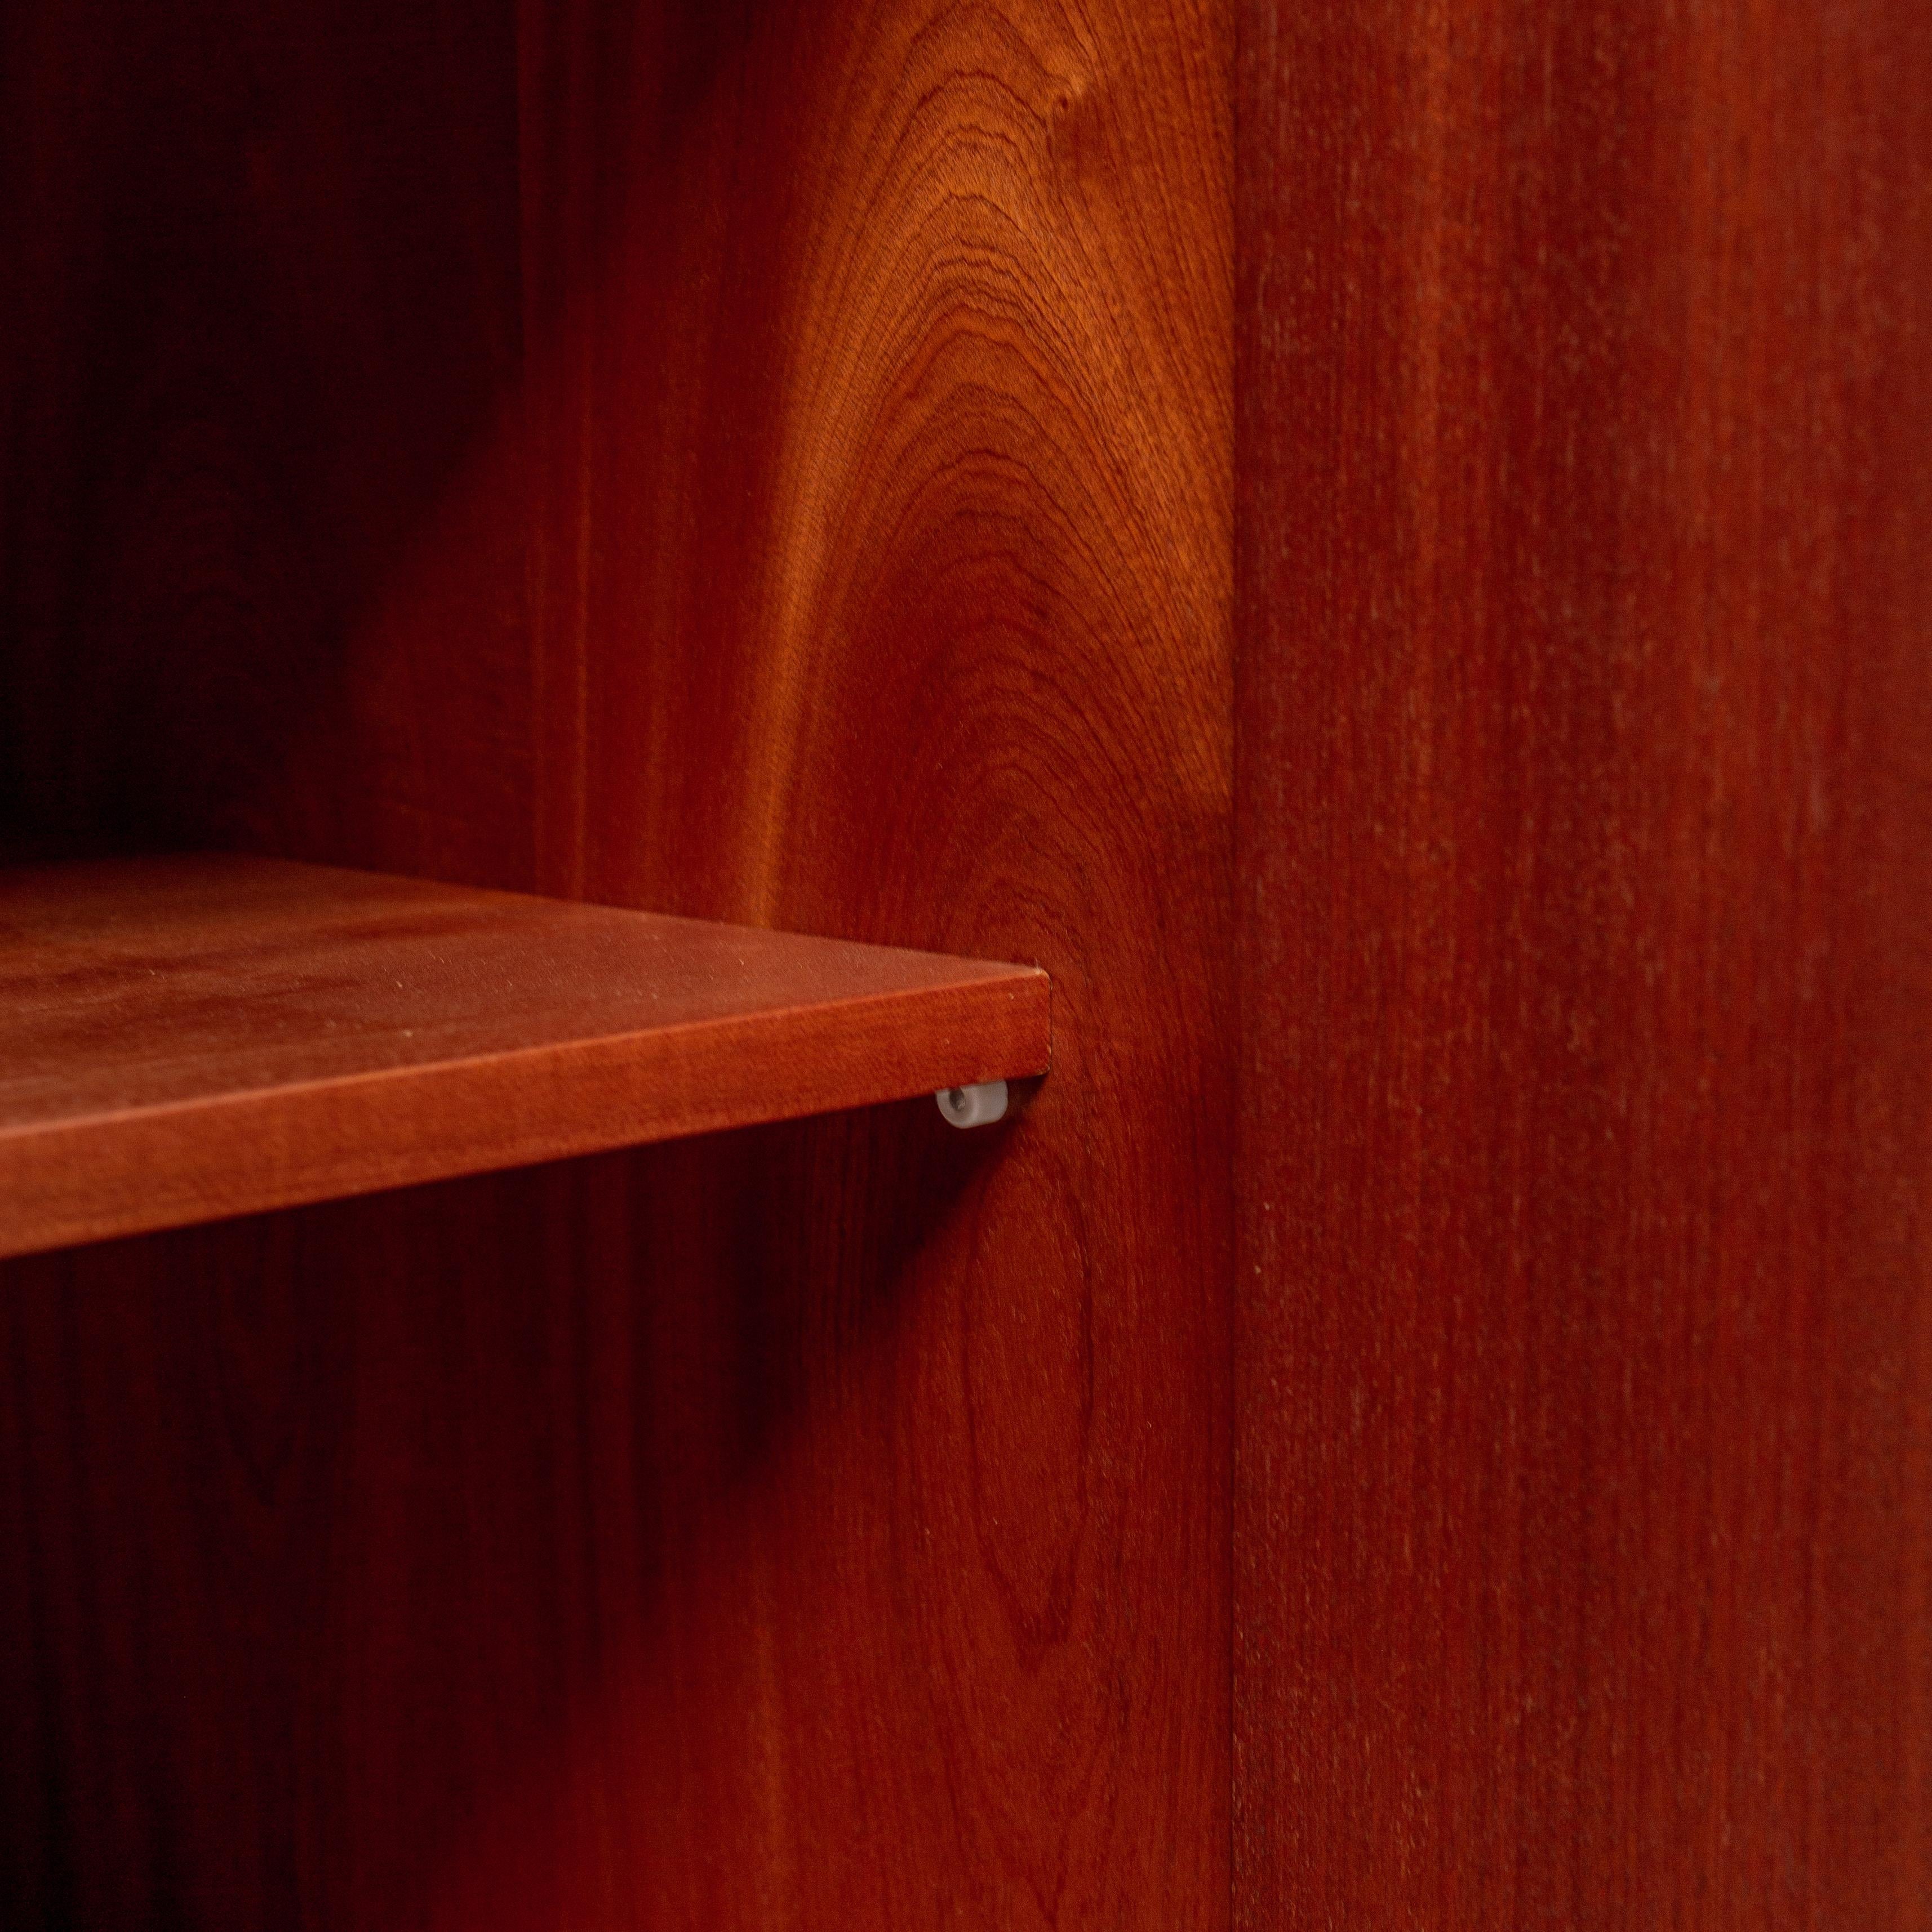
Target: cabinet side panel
1584, 1384
881, 454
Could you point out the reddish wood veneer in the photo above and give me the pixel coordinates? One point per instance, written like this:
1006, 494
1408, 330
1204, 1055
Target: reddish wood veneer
1584, 1346
762, 462
184, 1040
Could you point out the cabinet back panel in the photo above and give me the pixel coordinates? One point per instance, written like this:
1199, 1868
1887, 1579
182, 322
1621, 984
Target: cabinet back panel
261, 333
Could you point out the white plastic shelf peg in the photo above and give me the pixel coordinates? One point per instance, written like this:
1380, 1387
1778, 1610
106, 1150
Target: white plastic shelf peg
974, 1106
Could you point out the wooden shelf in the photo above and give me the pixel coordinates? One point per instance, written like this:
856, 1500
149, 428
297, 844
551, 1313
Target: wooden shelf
186, 1039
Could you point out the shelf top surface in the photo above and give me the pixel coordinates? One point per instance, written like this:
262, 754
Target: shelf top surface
218, 997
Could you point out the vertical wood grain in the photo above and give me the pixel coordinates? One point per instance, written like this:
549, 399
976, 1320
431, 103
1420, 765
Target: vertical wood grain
1584, 1362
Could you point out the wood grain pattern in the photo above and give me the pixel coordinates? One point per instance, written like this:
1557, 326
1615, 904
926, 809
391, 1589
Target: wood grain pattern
881, 447
185, 1039
825, 1526
1584, 1340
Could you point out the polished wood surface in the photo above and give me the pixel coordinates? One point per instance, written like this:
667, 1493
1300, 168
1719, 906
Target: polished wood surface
185, 1039
882, 450
1585, 1336
766, 463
